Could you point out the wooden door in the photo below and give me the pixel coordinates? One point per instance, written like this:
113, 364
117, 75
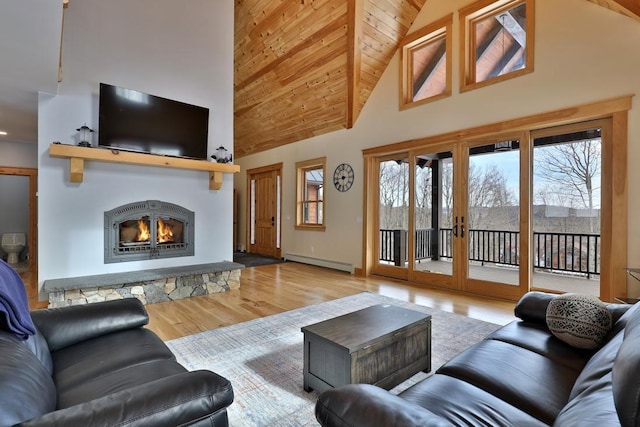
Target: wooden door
263, 216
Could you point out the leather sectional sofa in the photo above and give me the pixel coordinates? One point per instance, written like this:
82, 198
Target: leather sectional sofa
521, 375
96, 365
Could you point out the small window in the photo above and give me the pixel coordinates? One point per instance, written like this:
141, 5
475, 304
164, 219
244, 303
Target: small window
425, 61
498, 41
310, 194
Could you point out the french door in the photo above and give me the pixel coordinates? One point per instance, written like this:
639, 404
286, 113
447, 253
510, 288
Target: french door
415, 220
497, 215
494, 211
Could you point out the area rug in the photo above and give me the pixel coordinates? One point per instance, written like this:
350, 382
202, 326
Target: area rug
263, 358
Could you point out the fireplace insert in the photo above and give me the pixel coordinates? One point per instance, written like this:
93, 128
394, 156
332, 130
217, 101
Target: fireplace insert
147, 230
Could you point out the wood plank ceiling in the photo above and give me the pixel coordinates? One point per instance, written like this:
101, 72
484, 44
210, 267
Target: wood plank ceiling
307, 67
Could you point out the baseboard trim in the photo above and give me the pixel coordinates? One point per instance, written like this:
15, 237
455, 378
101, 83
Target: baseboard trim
335, 265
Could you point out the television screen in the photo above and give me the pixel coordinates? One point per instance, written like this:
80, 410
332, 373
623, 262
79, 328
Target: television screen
136, 121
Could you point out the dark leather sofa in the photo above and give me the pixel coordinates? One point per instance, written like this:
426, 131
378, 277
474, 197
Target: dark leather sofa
96, 365
521, 375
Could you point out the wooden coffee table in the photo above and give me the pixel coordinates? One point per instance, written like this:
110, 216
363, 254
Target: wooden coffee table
382, 345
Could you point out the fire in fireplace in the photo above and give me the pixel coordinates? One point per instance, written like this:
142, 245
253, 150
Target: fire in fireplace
138, 232
147, 230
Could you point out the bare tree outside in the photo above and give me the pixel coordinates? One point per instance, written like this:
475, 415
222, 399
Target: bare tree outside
446, 191
424, 194
394, 195
490, 198
565, 209
492, 204
569, 174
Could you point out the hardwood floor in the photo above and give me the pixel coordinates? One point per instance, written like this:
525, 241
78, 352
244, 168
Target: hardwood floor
273, 289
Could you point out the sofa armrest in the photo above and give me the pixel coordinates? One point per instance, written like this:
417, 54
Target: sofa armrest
176, 400
367, 405
66, 326
532, 307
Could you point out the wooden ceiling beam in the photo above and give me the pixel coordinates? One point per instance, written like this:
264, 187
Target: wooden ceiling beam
354, 60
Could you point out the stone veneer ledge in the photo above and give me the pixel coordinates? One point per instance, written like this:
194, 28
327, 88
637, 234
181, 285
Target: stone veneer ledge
149, 286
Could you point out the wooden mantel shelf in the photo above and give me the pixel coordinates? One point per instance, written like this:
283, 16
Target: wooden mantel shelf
77, 156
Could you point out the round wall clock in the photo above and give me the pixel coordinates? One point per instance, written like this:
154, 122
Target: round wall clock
343, 177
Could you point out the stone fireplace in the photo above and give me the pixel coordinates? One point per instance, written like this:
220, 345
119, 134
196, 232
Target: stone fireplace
146, 230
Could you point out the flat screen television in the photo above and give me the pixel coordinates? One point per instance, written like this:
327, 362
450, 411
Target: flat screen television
136, 121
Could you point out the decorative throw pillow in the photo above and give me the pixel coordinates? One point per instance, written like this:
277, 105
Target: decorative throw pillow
581, 321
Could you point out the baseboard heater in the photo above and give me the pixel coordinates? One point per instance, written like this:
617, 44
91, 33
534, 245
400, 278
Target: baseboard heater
342, 266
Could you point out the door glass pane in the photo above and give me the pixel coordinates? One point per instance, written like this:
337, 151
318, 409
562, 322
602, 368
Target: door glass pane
434, 213
493, 217
566, 212
394, 212
278, 204
252, 213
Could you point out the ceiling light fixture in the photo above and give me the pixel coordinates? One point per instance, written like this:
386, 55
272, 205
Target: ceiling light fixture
3, 132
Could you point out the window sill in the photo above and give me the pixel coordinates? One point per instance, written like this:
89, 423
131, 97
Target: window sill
311, 227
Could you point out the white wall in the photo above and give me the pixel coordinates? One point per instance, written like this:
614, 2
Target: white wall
18, 154
583, 54
161, 47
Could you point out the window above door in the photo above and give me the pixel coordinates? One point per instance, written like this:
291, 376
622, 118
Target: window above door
498, 41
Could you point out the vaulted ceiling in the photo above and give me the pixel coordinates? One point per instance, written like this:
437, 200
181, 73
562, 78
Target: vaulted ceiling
307, 67
302, 67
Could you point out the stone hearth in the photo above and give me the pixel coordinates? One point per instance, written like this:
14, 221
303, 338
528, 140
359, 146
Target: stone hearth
149, 286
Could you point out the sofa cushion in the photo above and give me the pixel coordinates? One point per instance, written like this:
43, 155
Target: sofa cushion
538, 338
598, 366
522, 378
64, 326
117, 380
85, 361
626, 371
592, 408
38, 345
582, 321
462, 403
591, 399
26, 388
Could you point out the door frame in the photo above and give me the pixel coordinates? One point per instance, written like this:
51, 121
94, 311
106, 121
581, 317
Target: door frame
398, 272
32, 174
277, 168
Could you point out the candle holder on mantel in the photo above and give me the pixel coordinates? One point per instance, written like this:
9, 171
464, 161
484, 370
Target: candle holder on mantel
85, 135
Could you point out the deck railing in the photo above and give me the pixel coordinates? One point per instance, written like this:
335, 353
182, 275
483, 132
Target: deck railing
567, 252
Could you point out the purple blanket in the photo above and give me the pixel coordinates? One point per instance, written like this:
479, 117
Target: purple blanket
14, 305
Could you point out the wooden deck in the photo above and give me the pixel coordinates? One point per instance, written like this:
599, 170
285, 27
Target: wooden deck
509, 275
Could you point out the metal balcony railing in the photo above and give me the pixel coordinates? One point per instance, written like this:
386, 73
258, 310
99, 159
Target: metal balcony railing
561, 252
